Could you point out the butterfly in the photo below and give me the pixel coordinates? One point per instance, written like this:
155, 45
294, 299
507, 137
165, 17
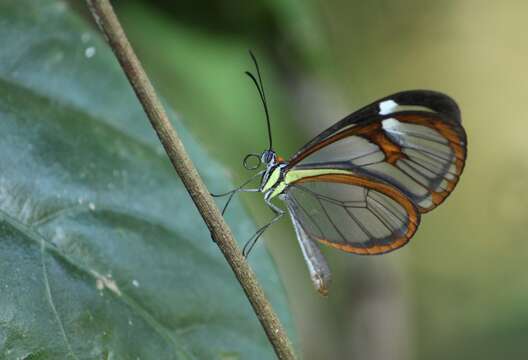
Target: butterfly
362, 185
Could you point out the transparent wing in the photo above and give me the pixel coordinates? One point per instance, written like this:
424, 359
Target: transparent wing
351, 213
413, 140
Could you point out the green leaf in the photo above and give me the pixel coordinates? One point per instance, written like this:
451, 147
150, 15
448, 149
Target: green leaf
102, 253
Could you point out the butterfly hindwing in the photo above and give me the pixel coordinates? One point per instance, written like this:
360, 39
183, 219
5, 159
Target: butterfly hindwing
351, 213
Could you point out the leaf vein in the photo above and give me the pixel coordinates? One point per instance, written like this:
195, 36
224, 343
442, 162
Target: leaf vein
49, 297
139, 310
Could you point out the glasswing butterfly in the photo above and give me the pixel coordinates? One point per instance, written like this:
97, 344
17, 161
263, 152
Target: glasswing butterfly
362, 184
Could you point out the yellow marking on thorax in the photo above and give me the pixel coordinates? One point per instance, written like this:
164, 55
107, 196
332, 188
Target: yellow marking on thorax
278, 189
294, 175
273, 178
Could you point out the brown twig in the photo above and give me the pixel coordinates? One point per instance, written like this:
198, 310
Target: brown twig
109, 24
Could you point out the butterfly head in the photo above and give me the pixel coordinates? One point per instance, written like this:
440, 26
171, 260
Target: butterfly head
268, 157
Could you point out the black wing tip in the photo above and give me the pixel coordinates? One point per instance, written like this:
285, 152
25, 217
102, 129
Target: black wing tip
436, 100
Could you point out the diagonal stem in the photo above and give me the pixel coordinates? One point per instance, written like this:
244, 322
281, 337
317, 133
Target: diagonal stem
105, 17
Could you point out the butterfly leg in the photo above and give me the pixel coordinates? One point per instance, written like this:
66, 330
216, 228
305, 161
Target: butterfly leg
233, 192
237, 189
253, 240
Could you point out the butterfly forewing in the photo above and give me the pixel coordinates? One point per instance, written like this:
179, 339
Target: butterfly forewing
354, 214
413, 140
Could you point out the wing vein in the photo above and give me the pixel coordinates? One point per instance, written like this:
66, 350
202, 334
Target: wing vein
359, 223
309, 217
380, 218
331, 220
418, 136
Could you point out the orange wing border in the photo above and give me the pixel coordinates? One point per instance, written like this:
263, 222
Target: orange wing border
392, 192
373, 131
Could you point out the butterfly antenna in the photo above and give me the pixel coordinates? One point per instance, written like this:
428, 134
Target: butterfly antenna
260, 89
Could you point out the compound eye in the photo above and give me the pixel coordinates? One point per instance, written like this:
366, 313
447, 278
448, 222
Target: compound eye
268, 156
264, 157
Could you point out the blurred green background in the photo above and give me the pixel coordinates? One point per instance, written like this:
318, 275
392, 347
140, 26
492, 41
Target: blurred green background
459, 289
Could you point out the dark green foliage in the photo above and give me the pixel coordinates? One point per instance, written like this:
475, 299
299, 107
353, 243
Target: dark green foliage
102, 253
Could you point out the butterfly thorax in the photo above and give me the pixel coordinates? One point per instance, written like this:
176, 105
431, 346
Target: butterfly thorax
273, 177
